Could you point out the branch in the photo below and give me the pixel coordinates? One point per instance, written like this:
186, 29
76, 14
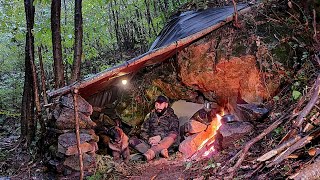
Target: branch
256, 139
278, 149
310, 104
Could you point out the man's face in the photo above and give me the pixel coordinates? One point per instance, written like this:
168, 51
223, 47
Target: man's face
160, 106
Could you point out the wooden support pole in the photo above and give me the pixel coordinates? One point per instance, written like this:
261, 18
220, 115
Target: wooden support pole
76, 116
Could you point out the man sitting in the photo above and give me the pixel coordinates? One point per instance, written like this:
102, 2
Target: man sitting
158, 132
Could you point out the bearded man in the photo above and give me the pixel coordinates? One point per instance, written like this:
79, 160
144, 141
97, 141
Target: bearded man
158, 132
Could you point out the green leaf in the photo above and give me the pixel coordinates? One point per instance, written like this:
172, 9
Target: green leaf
276, 98
188, 165
296, 94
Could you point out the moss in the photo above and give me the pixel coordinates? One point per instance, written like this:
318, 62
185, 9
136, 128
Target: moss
283, 54
239, 49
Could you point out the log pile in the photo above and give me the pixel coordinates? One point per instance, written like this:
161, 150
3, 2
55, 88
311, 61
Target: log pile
67, 156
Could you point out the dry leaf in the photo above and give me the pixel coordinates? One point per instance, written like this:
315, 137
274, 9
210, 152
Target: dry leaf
312, 151
290, 4
293, 156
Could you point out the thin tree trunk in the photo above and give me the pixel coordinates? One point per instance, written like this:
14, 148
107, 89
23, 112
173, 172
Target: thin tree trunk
28, 124
56, 43
149, 18
78, 41
65, 50
36, 93
117, 27
43, 80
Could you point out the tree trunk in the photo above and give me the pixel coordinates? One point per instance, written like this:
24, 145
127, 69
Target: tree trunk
78, 41
56, 43
43, 80
65, 50
28, 124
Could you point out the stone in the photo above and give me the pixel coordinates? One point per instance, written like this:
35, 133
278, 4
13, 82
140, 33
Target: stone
89, 162
66, 120
83, 105
227, 78
253, 112
195, 127
233, 131
73, 150
69, 139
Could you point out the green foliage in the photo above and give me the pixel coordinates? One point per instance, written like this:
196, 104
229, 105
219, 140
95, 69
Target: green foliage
188, 165
278, 130
276, 98
296, 94
96, 176
211, 165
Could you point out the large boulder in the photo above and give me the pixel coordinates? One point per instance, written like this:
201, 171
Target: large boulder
66, 120
83, 105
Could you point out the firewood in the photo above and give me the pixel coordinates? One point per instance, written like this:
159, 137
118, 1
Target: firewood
313, 121
279, 149
256, 139
299, 144
300, 119
310, 172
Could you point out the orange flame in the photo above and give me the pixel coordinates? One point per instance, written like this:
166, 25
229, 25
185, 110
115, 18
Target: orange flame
215, 128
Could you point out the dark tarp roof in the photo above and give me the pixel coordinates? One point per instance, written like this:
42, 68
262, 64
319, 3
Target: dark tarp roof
191, 22
177, 34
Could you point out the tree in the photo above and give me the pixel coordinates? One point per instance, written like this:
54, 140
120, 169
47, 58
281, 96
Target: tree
27, 109
75, 76
56, 43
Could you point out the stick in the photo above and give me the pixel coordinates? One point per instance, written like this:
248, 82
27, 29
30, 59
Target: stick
310, 104
256, 139
309, 172
278, 149
76, 115
302, 142
314, 24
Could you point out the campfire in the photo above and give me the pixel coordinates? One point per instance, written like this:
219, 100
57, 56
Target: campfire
202, 144
207, 146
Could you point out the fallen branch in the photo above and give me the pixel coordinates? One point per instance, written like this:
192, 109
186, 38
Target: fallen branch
314, 24
256, 139
310, 104
278, 149
298, 122
312, 171
312, 122
299, 144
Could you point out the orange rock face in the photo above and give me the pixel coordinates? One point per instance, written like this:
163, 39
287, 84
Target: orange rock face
227, 79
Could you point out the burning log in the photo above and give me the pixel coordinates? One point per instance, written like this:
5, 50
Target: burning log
192, 144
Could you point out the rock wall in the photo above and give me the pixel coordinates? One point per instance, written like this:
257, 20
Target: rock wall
65, 152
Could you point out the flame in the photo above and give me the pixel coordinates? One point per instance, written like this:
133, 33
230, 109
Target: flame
213, 127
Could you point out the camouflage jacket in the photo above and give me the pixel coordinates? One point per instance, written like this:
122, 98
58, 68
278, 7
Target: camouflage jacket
164, 125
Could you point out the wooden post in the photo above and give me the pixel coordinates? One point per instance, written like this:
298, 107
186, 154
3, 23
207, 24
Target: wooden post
76, 116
